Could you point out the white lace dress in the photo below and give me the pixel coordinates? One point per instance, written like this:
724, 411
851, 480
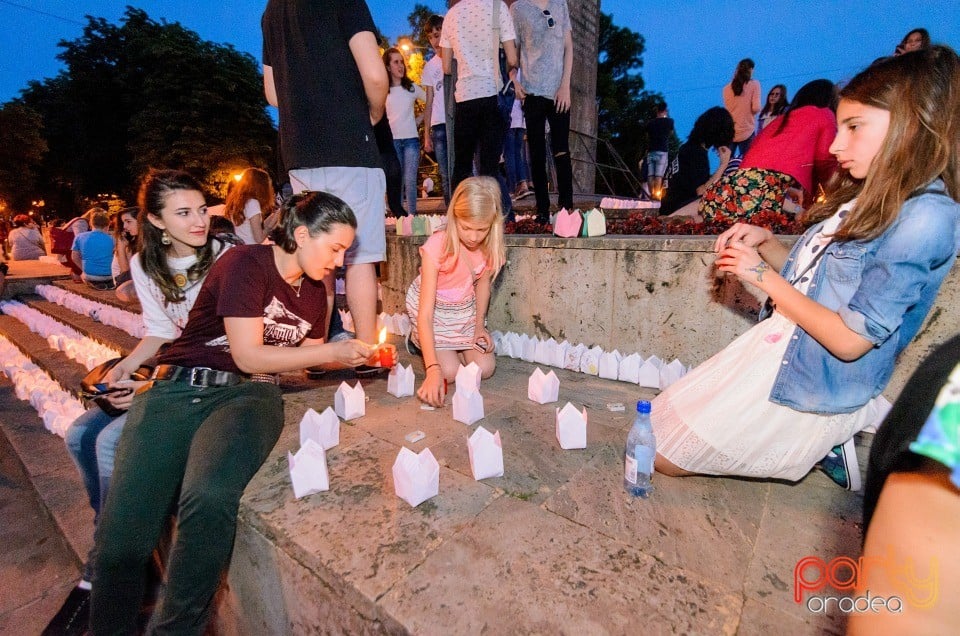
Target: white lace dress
718, 419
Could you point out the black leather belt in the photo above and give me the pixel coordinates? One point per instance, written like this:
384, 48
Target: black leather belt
205, 376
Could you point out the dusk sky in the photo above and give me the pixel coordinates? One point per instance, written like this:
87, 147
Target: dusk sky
692, 47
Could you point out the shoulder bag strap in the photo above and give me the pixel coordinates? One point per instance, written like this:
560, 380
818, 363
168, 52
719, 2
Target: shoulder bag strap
496, 44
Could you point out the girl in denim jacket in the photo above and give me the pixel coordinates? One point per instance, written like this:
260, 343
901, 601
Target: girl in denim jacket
849, 296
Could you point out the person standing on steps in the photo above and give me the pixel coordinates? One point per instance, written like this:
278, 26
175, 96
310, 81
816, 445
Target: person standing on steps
323, 71
545, 43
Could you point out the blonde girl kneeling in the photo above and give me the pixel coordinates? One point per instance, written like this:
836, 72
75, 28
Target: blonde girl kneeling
448, 301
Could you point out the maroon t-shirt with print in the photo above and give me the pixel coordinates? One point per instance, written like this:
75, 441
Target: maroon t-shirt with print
245, 283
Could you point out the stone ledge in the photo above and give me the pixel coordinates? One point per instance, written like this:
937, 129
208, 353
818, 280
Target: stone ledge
637, 242
545, 548
647, 294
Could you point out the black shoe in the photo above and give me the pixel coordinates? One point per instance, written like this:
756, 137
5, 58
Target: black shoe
365, 371
412, 348
73, 619
315, 373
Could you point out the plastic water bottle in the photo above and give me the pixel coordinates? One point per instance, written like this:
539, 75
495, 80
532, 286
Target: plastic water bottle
641, 449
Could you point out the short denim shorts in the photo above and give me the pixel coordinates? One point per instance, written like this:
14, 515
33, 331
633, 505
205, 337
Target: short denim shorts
656, 164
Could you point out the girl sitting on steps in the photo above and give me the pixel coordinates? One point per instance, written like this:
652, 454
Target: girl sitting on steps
849, 296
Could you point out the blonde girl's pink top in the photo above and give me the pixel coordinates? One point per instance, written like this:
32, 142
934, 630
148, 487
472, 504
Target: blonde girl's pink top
743, 108
457, 276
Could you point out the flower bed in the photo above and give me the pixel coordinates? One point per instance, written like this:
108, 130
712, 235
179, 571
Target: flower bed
639, 223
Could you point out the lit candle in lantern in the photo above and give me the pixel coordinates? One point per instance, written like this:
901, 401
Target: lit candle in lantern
386, 350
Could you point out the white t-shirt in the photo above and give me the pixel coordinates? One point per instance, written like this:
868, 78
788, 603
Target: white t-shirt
432, 76
468, 30
400, 103
250, 209
162, 319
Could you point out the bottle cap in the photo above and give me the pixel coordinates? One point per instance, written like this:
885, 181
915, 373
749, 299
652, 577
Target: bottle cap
643, 406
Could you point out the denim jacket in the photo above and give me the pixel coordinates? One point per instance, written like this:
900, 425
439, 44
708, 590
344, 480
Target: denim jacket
882, 289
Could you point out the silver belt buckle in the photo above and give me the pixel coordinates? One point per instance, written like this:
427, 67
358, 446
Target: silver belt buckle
194, 381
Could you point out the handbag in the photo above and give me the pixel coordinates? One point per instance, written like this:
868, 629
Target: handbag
91, 386
61, 240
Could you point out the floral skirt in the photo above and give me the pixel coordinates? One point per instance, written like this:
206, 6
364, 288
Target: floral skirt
718, 419
745, 193
453, 322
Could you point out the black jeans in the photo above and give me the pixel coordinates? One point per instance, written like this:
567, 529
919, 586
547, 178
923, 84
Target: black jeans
391, 169
205, 444
480, 129
537, 111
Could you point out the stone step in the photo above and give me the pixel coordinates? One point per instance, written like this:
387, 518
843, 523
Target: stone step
25, 275
552, 545
106, 297
104, 334
61, 368
43, 454
37, 565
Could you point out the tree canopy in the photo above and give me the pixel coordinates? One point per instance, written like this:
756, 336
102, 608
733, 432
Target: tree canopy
623, 106
417, 19
22, 149
147, 94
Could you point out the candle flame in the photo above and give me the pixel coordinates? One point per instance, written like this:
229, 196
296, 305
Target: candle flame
383, 336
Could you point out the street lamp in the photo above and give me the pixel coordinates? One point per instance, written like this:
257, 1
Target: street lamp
406, 45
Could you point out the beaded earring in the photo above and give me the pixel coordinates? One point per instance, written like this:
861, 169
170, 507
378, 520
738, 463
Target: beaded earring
165, 238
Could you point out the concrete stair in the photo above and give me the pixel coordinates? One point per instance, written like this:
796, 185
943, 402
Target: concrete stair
553, 546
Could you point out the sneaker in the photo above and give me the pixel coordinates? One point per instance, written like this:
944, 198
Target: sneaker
365, 371
412, 348
73, 617
842, 467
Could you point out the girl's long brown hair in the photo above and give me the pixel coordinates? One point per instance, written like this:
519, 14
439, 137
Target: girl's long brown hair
254, 184
742, 75
921, 90
405, 81
153, 253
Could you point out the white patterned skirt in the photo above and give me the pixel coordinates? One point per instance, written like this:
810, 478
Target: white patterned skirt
718, 419
453, 322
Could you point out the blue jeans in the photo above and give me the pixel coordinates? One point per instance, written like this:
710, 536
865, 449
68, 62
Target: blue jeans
515, 157
92, 443
740, 148
438, 134
408, 151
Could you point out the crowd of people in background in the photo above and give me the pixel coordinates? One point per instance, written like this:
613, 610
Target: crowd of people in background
223, 320
785, 174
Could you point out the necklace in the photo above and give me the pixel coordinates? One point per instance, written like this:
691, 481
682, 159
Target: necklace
298, 285
180, 279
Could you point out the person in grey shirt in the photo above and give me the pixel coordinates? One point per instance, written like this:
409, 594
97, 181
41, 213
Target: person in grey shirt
545, 40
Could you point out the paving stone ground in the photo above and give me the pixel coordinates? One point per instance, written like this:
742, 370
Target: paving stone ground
553, 546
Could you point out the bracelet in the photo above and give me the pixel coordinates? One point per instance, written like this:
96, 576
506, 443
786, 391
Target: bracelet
435, 364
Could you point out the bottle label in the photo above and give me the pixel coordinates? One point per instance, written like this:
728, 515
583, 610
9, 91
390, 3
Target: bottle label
644, 458
630, 469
